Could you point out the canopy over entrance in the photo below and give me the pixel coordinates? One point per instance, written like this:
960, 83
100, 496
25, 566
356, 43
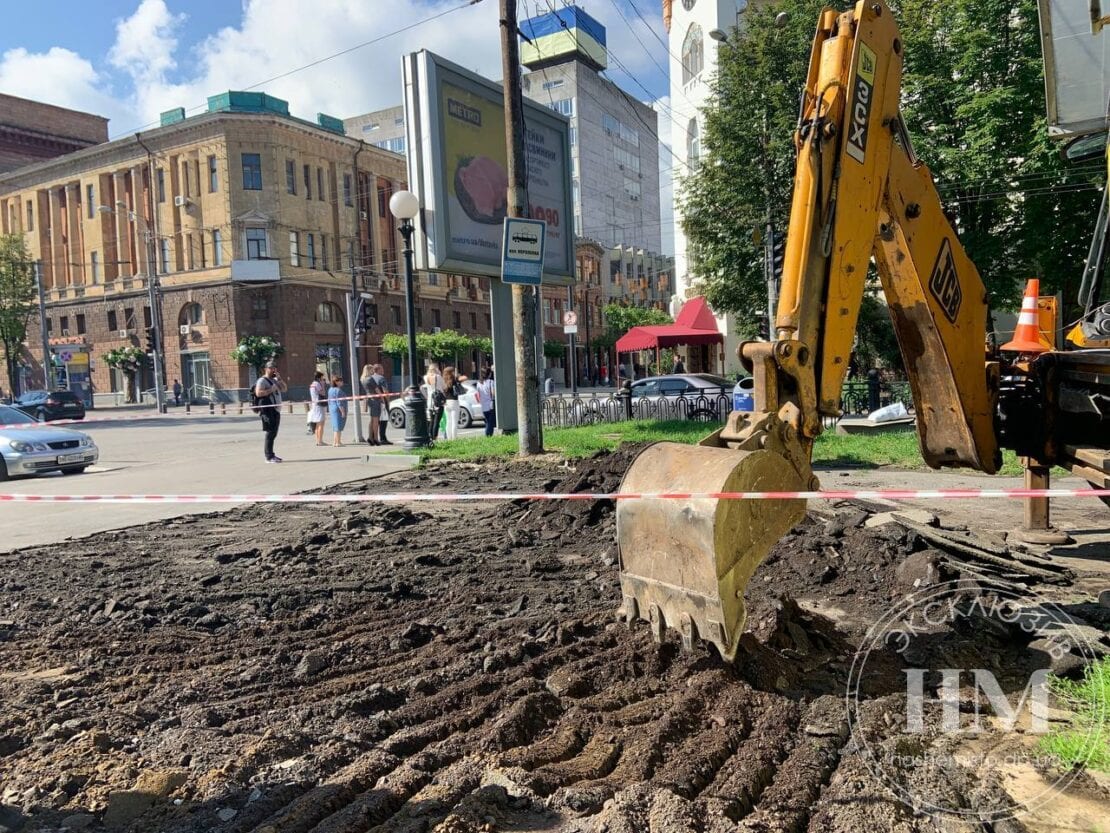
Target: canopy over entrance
695, 325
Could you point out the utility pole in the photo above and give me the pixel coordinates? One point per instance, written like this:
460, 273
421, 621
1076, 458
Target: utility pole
572, 364
524, 299
47, 359
353, 305
155, 318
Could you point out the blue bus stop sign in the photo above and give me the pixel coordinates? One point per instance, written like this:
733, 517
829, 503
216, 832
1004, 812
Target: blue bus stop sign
522, 251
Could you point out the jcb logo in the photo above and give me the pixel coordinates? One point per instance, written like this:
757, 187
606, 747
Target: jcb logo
860, 106
944, 283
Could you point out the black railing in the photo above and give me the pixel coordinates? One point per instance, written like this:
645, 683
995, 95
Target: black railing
710, 405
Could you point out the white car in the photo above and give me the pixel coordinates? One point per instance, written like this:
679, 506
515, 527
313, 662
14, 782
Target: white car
470, 410
41, 448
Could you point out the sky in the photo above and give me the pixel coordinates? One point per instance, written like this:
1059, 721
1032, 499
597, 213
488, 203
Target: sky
130, 60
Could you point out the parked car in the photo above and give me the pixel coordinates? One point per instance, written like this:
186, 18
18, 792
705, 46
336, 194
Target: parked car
37, 449
700, 396
470, 410
47, 405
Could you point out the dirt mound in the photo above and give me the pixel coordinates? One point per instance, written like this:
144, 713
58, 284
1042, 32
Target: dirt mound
438, 667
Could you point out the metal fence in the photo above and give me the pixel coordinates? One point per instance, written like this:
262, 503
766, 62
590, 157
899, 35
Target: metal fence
711, 405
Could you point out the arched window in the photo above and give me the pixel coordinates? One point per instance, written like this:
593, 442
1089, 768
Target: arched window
693, 143
693, 58
328, 313
192, 314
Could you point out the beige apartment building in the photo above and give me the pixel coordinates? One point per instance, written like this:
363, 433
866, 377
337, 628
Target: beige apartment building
253, 221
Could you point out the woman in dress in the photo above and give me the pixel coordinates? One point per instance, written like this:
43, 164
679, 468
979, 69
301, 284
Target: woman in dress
337, 407
317, 394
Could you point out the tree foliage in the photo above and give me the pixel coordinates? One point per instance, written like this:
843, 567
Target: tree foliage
444, 346
553, 349
619, 319
973, 99
256, 351
17, 300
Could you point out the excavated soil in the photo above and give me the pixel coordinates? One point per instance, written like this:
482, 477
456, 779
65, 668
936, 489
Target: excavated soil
453, 668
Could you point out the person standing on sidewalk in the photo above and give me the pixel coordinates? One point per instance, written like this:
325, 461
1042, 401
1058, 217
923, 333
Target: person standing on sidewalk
373, 393
337, 407
383, 418
486, 400
317, 393
452, 390
267, 391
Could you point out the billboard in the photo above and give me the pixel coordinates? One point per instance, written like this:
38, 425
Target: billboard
455, 125
1076, 65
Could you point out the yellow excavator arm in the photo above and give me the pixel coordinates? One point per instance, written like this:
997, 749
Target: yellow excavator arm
859, 194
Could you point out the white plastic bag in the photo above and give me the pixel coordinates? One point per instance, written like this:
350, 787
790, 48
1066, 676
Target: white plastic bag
888, 413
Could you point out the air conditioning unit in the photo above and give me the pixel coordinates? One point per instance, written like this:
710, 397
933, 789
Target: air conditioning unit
362, 215
123, 333
180, 201
184, 329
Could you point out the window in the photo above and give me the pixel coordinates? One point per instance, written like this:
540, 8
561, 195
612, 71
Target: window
113, 324
294, 248
188, 251
573, 136
290, 177
433, 279
192, 314
564, 106
436, 322
160, 182
49, 325
578, 223
185, 179
202, 251
147, 320
90, 200
320, 184
80, 324
328, 313
307, 182
474, 321
260, 307
632, 188
213, 176
456, 320
419, 317
693, 142
323, 251
489, 322
626, 160
95, 256
256, 244
370, 128
615, 127
692, 55
63, 322
217, 248
129, 318
30, 216
396, 145
400, 120
347, 189
252, 172
576, 193
396, 310
165, 253
551, 85
311, 251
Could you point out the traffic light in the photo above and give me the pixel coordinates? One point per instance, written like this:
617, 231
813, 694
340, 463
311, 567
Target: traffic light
151, 345
778, 253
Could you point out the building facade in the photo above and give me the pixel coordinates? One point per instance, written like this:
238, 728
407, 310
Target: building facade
31, 131
254, 222
384, 129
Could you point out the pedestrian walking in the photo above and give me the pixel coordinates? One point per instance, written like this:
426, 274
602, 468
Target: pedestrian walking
337, 408
433, 387
452, 390
267, 402
382, 385
487, 401
317, 394
176, 392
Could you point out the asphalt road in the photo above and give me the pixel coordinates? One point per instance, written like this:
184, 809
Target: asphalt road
179, 454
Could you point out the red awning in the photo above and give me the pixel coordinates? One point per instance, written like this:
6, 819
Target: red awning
695, 325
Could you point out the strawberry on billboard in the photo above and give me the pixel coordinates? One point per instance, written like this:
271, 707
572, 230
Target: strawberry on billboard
456, 160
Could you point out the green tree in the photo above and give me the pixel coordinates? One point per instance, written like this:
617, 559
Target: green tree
256, 351
17, 299
129, 360
554, 349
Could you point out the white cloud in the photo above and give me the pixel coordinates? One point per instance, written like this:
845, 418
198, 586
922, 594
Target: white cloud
145, 42
58, 76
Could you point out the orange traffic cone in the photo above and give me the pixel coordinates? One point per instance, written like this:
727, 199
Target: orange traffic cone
1027, 336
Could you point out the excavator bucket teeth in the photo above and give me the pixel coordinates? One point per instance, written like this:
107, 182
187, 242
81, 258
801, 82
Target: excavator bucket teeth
685, 562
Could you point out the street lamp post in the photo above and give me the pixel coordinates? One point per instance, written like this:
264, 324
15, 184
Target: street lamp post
404, 205
152, 298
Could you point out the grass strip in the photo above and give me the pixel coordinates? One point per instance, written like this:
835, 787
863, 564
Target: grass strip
1086, 741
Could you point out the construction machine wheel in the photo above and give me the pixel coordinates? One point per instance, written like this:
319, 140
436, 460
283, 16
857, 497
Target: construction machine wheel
685, 562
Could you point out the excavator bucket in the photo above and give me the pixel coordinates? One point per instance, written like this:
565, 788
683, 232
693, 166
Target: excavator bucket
686, 562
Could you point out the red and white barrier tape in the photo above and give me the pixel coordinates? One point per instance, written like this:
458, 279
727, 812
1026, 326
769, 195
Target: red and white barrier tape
419, 497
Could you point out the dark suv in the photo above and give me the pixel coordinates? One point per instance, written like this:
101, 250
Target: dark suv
49, 405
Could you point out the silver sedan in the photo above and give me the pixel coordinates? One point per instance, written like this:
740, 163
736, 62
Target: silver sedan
40, 448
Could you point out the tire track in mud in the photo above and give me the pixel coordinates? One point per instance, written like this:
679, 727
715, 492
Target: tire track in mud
387, 669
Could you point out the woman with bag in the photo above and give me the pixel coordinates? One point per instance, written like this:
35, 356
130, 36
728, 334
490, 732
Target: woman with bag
337, 407
433, 384
452, 390
317, 393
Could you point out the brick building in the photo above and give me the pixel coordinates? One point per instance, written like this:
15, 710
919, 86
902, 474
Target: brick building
31, 131
254, 221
